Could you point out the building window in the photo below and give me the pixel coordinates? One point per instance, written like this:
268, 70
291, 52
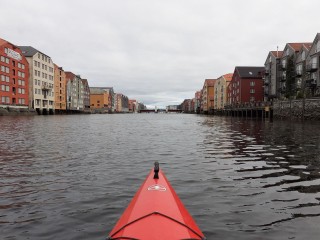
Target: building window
252, 99
252, 83
303, 55
252, 91
5, 100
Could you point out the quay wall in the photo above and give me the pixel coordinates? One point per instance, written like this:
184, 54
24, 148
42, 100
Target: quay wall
304, 109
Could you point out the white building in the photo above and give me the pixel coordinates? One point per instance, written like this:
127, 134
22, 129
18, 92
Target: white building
41, 81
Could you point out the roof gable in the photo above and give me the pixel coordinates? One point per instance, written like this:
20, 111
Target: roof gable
250, 72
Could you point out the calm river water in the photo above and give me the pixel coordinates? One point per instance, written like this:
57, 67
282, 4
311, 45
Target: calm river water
71, 177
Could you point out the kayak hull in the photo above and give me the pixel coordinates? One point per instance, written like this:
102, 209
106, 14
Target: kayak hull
156, 212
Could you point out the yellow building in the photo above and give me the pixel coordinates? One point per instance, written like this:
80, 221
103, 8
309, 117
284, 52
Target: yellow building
220, 93
207, 103
59, 89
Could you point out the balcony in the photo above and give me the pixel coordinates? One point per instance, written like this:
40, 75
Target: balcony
46, 87
298, 72
267, 72
312, 82
283, 67
311, 67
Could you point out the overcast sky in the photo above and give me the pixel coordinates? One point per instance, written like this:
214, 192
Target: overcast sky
157, 51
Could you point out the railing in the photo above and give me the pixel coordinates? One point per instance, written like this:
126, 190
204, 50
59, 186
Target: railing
46, 86
311, 82
311, 67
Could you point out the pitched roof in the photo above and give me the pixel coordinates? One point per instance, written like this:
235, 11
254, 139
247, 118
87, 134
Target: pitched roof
69, 75
308, 46
100, 90
210, 82
250, 72
297, 46
2, 41
228, 76
277, 54
29, 51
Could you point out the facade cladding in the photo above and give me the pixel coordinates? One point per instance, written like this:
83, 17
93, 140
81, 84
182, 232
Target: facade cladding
41, 81
246, 85
14, 74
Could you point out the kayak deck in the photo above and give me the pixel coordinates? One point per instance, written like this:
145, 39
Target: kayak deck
156, 212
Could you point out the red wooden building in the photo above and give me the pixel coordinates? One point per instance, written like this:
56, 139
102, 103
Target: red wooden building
246, 85
14, 76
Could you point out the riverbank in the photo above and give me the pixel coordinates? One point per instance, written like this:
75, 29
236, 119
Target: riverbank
17, 112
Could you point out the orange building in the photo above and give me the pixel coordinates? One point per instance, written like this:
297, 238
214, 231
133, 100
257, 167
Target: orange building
207, 102
59, 89
101, 98
14, 76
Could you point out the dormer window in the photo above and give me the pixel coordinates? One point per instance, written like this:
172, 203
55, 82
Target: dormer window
303, 55
287, 52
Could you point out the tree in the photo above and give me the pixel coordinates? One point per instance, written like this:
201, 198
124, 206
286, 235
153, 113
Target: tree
290, 78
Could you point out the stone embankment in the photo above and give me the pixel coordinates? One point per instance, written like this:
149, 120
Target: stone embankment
17, 112
304, 109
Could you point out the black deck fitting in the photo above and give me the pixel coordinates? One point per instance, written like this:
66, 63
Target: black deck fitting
156, 170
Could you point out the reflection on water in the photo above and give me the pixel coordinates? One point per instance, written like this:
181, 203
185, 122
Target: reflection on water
70, 177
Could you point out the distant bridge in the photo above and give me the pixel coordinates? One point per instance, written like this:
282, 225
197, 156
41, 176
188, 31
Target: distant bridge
160, 111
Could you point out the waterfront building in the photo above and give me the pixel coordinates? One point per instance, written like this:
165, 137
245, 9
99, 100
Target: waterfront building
121, 103
208, 96
59, 89
132, 105
14, 77
86, 94
288, 81
140, 106
41, 80
172, 107
220, 93
186, 106
312, 81
75, 93
272, 75
246, 85
101, 99
300, 69
197, 101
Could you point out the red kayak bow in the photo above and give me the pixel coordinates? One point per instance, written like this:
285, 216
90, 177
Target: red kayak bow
156, 213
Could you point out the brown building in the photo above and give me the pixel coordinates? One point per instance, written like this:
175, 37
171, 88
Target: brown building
122, 103
246, 85
60, 89
14, 76
86, 94
101, 99
132, 105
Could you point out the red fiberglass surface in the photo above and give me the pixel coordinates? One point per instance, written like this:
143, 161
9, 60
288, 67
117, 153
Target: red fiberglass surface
155, 213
